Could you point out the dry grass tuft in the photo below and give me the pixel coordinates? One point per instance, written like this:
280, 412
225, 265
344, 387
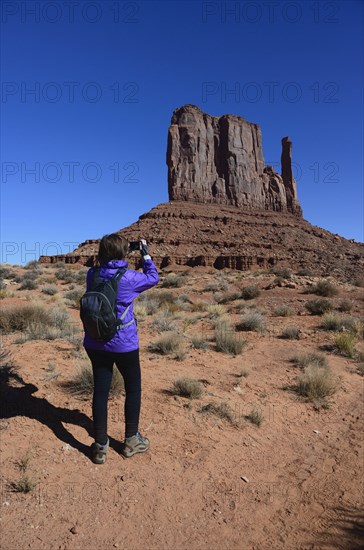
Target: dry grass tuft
74, 296
26, 483
319, 306
316, 383
199, 342
345, 344
227, 341
345, 306
172, 280
325, 288
307, 359
50, 290
222, 410
187, 387
256, 416
35, 321
215, 310
81, 385
291, 332
283, 311
168, 343
250, 292
253, 321
163, 323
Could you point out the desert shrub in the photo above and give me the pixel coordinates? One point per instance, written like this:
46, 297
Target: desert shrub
187, 387
283, 311
168, 343
333, 321
283, 272
167, 301
325, 288
151, 306
183, 299
65, 275
186, 323
199, 342
2, 285
250, 292
80, 276
256, 416
319, 306
3, 294
81, 384
360, 369
149, 302
306, 359
35, 322
33, 264
291, 332
199, 306
50, 290
140, 311
6, 273
38, 331
316, 382
345, 306
28, 284
345, 344
50, 280
215, 310
304, 272
172, 280
218, 285
227, 297
227, 341
251, 322
279, 281
223, 410
180, 354
18, 317
74, 296
163, 323
359, 281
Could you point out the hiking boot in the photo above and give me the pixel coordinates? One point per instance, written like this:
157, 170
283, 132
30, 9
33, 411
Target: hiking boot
135, 444
98, 452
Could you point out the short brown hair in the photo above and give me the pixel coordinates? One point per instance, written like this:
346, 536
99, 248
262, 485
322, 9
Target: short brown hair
112, 247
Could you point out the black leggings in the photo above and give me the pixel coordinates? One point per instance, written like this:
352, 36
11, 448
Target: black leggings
129, 367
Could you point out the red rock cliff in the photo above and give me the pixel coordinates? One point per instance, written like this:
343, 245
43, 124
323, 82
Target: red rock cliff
220, 160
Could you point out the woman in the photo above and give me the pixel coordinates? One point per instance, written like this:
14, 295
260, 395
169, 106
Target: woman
122, 349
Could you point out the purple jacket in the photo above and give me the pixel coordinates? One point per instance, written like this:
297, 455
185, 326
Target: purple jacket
131, 284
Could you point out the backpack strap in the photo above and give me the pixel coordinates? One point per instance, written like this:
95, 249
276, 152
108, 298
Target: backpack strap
120, 321
120, 272
120, 324
96, 279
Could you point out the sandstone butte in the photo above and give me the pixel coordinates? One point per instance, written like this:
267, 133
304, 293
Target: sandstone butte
227, 209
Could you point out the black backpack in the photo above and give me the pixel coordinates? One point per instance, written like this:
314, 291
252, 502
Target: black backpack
98, 307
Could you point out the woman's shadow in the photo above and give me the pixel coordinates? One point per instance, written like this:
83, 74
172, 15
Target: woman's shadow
17, 399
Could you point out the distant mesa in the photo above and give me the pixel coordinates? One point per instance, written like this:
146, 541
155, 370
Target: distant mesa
227, 209
220, 160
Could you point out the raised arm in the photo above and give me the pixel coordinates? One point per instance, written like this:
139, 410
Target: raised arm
142, 281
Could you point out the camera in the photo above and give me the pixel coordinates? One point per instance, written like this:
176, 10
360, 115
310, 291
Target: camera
134, 245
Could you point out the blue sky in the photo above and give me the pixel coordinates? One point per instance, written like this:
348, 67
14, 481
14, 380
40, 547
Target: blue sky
84, 153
